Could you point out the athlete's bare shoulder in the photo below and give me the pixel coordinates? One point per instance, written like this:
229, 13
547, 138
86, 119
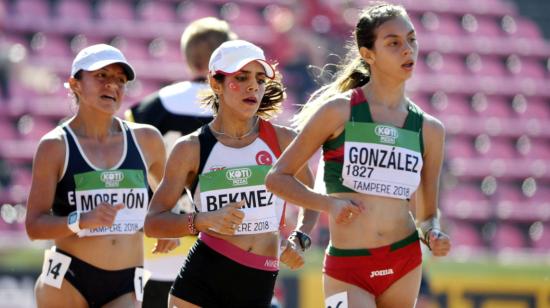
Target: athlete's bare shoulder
142, 130
433, 124
284, 130
54, 140
339, 101
51, 150
329, 120
188, 143
337, 107
285, 135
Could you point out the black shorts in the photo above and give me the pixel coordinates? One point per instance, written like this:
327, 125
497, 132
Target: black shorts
209, 279
98, 286
155, 294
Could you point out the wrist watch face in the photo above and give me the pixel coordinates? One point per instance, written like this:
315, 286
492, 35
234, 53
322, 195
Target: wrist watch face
72, 218
305, 241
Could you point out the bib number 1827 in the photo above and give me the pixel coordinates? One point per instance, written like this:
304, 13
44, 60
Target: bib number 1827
360, 171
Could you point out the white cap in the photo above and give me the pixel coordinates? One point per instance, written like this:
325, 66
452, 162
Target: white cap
97, 56
231, 56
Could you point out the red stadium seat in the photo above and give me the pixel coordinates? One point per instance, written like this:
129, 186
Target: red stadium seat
459, 146
243, 15
113, 10
189, 11
441, 23
526, 66
535, 108
491, 106
534, 148
7, 129
134, 49
34, 127
31, 8
156, 11
449, 104
466, 201
71, 10
497, 147
508, 237
513, 205
50, 45
464, 234
487, 26
486, 65
527, 29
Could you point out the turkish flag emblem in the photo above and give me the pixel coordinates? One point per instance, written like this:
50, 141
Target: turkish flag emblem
264, 158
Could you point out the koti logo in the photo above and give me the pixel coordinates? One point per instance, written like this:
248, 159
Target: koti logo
112, 178
238, 176
387, 134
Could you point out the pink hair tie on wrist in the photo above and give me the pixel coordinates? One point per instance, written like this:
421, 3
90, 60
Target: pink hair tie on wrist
191, 223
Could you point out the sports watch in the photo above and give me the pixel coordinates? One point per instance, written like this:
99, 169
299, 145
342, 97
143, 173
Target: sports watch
303, 239
73, 221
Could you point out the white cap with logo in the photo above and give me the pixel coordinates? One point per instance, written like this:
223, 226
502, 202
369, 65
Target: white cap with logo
97, 56
231, 56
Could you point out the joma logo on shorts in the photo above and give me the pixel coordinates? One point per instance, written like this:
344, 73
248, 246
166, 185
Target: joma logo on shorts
112, 178
383, 272
238, 176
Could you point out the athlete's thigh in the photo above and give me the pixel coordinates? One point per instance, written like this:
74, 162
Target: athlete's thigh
356, 297
67, 296
179, 303
403, 292
124, 301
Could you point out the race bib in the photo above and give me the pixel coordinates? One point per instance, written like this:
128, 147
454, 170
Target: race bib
113, 186
141, 277
338, 300
54, 268
221, 187
381, 160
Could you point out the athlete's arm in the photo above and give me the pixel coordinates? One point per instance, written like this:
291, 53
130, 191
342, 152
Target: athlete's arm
324, 124
307, 218
48, 164
181, 169
427, 193
151, 143
292, 254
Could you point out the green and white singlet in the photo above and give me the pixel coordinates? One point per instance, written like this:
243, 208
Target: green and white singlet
372, 158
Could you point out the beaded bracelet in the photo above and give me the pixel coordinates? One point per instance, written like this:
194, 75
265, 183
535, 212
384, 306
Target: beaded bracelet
191, 223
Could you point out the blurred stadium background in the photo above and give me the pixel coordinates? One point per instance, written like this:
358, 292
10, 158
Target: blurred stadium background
483, 69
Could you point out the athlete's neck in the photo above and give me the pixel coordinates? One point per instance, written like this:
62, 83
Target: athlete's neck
233, 128
379, 92
99, 128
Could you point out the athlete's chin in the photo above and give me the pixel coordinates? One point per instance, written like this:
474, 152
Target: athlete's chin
405, 76
250, 110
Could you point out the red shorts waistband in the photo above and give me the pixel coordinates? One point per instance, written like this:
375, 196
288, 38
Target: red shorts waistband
240, 256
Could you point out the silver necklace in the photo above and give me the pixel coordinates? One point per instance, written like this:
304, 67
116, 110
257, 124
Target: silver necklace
250, 132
